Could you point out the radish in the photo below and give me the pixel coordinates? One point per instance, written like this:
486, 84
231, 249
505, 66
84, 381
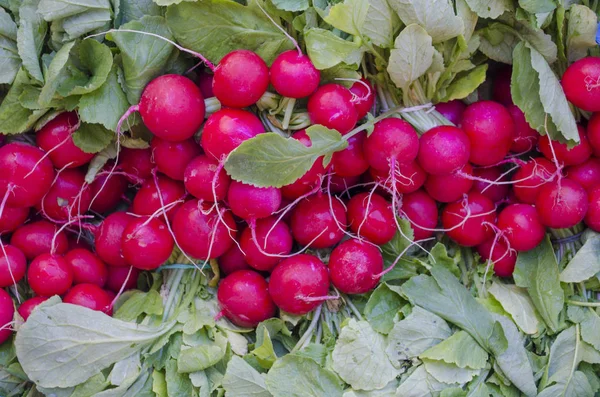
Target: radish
354, 267
251, 202
526, 137
90, 296
232, 260
576, 155
49, 274
293, 75
27, 307
581, 83
503, 259
244, 298
136, 163
391, 139
496, 189
109, 238
107, 190
199, 177
87, 267
264, 253
586, 174
467, 221
13, 265
371, 216
35, 239
68, 197
522, 227
331, 106
76, 242
451, 187
299, 284
409, 177
147, 200
26, 174
352, 160
172, 158
592, 217
364, 97
562, 204
501, 88
420, 210
318, 221
204, 82
443, 149
122, 278
529, 179
146, 243
339, 184
56, 138
311, 179
7, 313
452, 110
240, 79
593, 133
491, 131
13, 217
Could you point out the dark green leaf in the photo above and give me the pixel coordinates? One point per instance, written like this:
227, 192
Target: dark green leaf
327, 50
14, 117
30, 38
52, 10
140, 302
295, 376
381, 308
10, 62
92, 138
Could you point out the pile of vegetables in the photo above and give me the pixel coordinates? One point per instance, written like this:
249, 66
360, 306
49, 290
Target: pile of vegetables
299, 198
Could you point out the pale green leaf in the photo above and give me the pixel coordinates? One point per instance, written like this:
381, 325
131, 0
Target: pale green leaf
342, 71
204, 354
490, 8
14, 117
327, 50
178, 384
565, 356
516, 302
95, 60
348, 16
381, 23
589, 322
291, 5
159, 383
388, 391
56, 73
539, 40
53, 10
459, 349
94, 385
126, 369
585, 264
295, 376
581, 31
420, 383
497, 45
382, 307
139, 303
10, 62
449, 373
411, 57
578, 386
468, 17
131, 10
30, 38
465, 84
436, 17
537, 6
244, 381
92, 138
86, 22
8, 28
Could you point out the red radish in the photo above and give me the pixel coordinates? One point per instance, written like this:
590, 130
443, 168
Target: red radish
13, 217
198, 179
351, 161
522, 227
340, 184
26, 174
107, 190
240, 79
35, 238
232, 260
122, 277
331, 106
493, 190
293, 75
109, 238
147, 200
586, 174
420, 210
581, 83
592, 217
530, 178
576, 155
452, 110
87, 267
526, 137
172, 158
50, 274
7, 313
244, 298
451, 187
68, 197
364, 97
172, 107
443, 149
562, 204
204, 82
593, 133
90, 296
391, 139
299, 284
76, 242
501, 89
226, 129
201, 232
308, 181
56, 138
354, 267
27, 307
503, 259
371, 216
465, 222
491, 131
279, 243
319, 220
137, 163
409, 177
12, 265
147, 243
251, 202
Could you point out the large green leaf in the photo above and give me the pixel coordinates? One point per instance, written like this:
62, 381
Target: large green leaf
581, 31
382, 307
516, 302
296, 376
327, 50
411, 57
244, 381
30, 38
436, 17
585, 264
14, 117
10, 62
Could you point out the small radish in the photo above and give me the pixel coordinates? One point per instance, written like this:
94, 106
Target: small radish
391, 139
526, 138
75, 242
443, 149
7, 313
581, 83
204, 82
371, 216
351, 161
562, 204
364, 97
466, 221
136, 163
87, 267
503, 259
522, 227
13, 265
450, 187
311, 179
299, 284
256, 247
354, 267
576, 155
339, 184
172, 158
35, 239
147, 200
240, 79
107, 190
420, 210
56, 138
90, 296
586, 174
13, 217
592, 217
293, 75
122, 278
251, 202
331, 106
109, 238
501, 89
409, 177
68, 197
244, 298
318, 221
593, 133
529, 179
50, 274
232, 260
496, 189
147, 243
27, 307
452, 110
200, 175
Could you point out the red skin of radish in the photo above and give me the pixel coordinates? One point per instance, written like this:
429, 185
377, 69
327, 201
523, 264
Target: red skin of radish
494, 192
491, 131
451, 187
251, 202
29, 305
581, 84
409, 177
313, 217
452, 110
562, 204
137, 163
443, 149
147, 200
109, 237
586, 174
59, 132
365, 98
576, 155
353, 266
593, 133
391, 139
232, 261
194, 230
112, 191
35, 239
14, 263
172, 158
501, 89
172, 107
226, 129
240, 79
521, 226
17, 160
526, 137
293, 75
204, 82
12, 217
504, 261
279, 243
117, 277
244, 298
198, 179
7, 313
527, 190
90, 296
49, 275
308, 181
87, 267
472, 232
376, 218
592, 217
340, 184
298, 277
420, 210
146, 245
68, 197
331, 106
75, 242
352, 160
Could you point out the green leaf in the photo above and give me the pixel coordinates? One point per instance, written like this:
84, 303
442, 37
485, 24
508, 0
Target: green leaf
516, 302
420, 383
139, 303
436, 17
565, 356
53, 10
465, 84
537, 6
359, 357
342, 71
295, 376
10, 62
589, 322
30, 38
459, 349
388, 391
272, 160
96, 62
178, 384
291, 5
130, 10
537, 271
264, 351
490, 8
585, 264
14, 117
327, 50
401, 241
581, 31
159, 383
348, 16
205, 352
382, 307
578, 386
86, 22
449, 373
217, 27
92, 138
244, 381
411, 57
497, 44
56, 74
94, 385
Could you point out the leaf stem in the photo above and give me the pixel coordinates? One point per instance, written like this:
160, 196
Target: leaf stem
583, 304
